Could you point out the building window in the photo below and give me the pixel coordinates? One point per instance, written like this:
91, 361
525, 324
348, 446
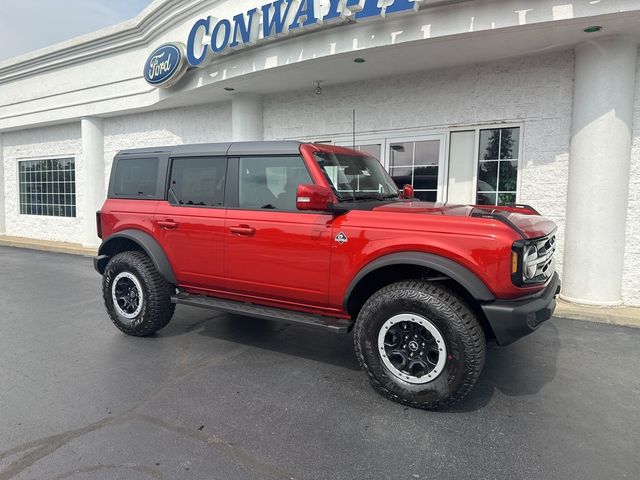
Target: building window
48, 187
373, 149
498, 166
416, 164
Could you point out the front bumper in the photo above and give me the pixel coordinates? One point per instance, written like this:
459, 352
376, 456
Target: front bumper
513, 319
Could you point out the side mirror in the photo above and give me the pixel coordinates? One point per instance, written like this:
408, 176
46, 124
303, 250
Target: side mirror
407, 191
314, 197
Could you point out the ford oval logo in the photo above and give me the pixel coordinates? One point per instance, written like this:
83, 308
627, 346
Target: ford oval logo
166, 65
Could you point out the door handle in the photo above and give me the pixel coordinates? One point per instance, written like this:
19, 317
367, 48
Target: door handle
243, 230
167, 224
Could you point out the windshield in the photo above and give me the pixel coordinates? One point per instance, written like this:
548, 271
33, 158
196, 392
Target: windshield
356, 177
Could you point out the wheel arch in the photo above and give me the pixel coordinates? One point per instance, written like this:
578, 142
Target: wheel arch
130, 240
398, 266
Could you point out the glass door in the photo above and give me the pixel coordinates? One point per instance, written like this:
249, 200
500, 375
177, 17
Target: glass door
419, 162
415, 160
374, 148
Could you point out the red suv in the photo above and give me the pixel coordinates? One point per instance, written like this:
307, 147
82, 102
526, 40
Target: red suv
320, 236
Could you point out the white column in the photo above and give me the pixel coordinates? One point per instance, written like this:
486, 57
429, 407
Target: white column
92, 188
3, 227
246, 113
599, 171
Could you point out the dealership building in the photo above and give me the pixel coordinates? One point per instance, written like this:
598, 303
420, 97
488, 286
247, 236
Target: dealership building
486, 101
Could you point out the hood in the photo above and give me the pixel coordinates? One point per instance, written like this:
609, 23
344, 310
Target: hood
523, 219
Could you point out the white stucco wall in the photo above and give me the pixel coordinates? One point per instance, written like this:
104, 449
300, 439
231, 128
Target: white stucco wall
533, 91
201, 124
207, 123
73, 81
631, 276
57, 141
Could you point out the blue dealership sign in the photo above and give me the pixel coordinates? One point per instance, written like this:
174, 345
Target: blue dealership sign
166, 65
210, 37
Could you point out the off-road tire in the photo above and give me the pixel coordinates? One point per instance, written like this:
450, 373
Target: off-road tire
157, 309
462, 334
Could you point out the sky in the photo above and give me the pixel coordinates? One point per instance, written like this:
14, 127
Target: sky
27, 25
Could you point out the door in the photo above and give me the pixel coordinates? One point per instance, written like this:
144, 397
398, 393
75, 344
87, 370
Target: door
272, 250
418, 161
375, 148
190, 223
414, 160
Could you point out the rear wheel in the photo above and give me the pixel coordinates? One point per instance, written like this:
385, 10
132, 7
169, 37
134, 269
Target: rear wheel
420, 344
136, 296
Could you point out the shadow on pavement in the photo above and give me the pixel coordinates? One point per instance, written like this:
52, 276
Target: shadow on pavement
309, 343
520, 369
517, 370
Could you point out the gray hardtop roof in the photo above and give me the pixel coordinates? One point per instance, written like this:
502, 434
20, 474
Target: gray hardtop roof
220, 149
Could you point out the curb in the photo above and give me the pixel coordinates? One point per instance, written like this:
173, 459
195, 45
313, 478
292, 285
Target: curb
47, 246
624, 316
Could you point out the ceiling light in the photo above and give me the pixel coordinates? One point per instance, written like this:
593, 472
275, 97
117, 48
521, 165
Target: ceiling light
593, 29
359, 60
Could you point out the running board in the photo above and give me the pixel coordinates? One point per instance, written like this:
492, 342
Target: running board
332, 324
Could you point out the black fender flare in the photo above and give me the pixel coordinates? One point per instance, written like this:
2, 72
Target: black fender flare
445, 266
150, 246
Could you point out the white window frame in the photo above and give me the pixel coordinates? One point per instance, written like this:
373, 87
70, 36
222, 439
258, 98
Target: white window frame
476, 152
385, 137
443, 167
73, 156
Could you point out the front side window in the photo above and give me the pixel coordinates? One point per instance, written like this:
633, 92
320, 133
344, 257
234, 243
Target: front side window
498, 166
136, 177
356, 177
271, 182
198, 182
48, 187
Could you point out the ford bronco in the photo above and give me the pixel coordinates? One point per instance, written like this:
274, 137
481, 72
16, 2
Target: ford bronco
321, 236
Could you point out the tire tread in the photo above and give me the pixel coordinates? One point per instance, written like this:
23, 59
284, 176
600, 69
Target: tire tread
474, 342
158, 309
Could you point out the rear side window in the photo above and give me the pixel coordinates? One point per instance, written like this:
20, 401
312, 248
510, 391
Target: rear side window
136, 177
198, 182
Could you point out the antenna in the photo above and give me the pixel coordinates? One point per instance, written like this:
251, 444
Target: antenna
354, 128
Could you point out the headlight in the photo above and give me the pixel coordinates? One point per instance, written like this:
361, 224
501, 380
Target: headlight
530, 262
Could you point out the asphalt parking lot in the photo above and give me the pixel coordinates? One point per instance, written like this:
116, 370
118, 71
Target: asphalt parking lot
215, 396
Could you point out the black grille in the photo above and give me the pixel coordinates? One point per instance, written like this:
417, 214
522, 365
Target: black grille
546, 258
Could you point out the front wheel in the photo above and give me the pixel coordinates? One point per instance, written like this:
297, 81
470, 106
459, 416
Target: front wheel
420, 344
136, 296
